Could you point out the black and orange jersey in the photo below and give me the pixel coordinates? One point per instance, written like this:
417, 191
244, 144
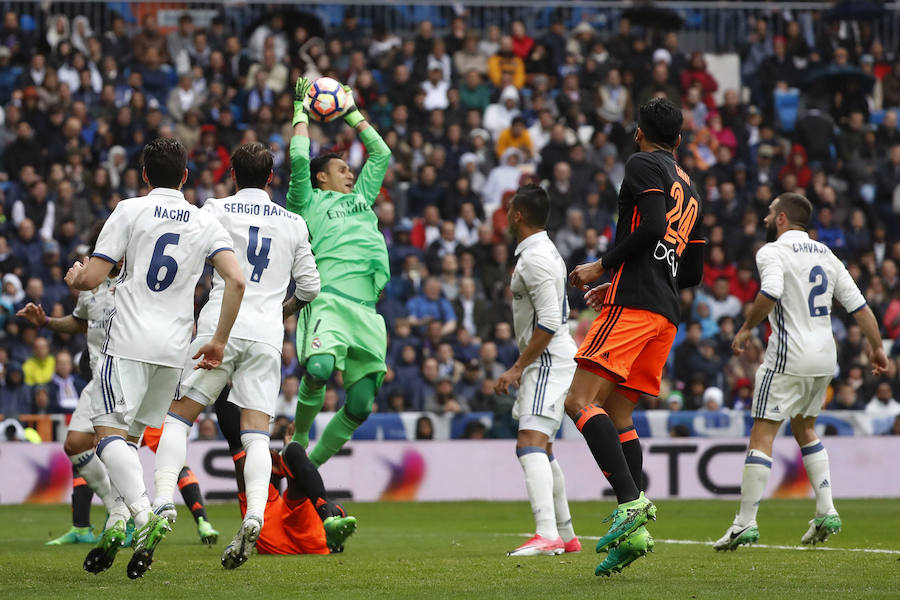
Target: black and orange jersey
660, 214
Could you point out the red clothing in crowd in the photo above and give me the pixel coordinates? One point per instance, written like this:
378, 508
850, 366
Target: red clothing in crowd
713, 272
803, 172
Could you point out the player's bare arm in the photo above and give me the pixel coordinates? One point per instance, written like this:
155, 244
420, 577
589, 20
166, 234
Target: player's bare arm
226, 265
88, 275
292, 306
865, 318
583, 275
761, 308
34, 314
540, 339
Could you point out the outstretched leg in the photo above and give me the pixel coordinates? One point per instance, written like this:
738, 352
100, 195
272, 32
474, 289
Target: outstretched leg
360, 398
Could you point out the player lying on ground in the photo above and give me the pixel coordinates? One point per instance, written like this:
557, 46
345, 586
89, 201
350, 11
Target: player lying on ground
799, 279
301, 520
626, 349
542, 372
168, 242
272, 247
340, 329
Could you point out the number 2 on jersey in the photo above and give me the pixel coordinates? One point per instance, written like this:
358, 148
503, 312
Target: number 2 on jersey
818, 276
160, 260
259, 260
680, 219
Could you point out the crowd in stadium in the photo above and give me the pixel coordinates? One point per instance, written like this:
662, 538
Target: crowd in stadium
469, 115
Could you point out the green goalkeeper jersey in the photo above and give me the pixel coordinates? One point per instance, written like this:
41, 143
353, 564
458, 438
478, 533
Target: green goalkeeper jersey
350, 250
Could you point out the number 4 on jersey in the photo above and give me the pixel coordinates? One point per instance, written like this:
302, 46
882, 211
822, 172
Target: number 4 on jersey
260, 259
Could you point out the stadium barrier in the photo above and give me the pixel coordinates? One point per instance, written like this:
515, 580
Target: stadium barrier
488, 470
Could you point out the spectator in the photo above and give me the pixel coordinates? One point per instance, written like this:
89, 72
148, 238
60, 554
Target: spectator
207, 429
39, 369
505, 67
444, 399
845, 398
15, 396
430, 306
424, 428
286, 404
507, 349
487, 359
67, 385
516, 136
722, 303
883, 404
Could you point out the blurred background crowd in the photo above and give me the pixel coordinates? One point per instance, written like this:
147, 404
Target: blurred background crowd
470, 113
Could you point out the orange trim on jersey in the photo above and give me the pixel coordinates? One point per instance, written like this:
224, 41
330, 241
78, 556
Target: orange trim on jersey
628, 436
614, 288
78, 481
586, 413
238, 455
653, 190
188, 479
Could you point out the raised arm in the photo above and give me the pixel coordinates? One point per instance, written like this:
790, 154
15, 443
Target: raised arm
34, 314
299, 187
372, 174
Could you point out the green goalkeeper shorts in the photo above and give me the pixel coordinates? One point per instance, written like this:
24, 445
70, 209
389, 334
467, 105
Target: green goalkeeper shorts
347, 329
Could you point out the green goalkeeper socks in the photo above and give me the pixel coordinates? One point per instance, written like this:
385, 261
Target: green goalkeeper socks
309, 402
337, 433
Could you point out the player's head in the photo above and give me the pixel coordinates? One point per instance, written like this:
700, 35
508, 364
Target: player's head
331, 172
659, 124
787, 211
164, 163
529, 208
251, 166
92, 243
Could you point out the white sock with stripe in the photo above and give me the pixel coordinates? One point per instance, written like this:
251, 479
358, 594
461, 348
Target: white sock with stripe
539, 483
94, 473
126, 474
561, 502
257, 470
757, 468
818, 469
171, 454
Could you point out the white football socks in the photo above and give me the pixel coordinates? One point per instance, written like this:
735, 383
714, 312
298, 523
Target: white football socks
757, 468
818, 469
561, 502
257, 470
92, 469
539, 483
170, 456
126, 474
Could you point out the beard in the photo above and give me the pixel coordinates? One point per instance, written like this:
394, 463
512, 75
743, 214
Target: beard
771, 232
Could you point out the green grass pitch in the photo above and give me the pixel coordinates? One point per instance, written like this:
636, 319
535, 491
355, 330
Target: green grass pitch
458, 550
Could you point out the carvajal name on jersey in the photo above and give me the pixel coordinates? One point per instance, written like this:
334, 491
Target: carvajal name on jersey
266, 210
173, 214
809, 247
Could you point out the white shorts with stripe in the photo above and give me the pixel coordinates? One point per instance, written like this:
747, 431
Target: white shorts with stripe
81, 417
133, 394
779, 396
542, 393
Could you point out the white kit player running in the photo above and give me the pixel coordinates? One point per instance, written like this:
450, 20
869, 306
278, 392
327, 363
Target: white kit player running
165, 243
543, 371
799, 277
273, 248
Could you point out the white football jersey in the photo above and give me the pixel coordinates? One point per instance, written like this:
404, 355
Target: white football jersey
272, 246
96, 306
165, 242
538, 287
803, 276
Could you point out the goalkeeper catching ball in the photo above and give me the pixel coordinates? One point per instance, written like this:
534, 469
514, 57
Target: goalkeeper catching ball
340, 329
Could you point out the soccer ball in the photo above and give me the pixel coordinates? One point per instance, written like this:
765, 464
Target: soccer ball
326, 99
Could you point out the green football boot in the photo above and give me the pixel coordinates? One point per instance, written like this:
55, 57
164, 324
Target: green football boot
738, 535
146, 539
208, 535
129, 533
627, 517
101, 557
76, 535
629, 550
337, 530
820, 528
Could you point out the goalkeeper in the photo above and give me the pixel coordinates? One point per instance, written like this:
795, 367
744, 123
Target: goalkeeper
340, 329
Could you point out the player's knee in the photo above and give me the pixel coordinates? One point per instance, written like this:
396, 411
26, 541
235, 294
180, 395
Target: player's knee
319, 369
361, 397
76, 444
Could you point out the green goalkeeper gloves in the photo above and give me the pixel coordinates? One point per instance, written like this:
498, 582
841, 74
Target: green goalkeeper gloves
352, 116
301, 88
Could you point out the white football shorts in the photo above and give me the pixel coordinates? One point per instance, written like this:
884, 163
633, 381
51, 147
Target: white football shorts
133, 394
779, 396
81, 417
253, 368
540, 401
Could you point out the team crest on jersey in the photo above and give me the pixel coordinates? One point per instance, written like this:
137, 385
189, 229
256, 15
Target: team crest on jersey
316, 343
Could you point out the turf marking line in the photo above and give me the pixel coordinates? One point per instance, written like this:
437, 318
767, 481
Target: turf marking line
768, 546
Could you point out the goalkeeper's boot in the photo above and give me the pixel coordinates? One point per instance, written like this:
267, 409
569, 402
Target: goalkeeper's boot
539, 546
102, 556
240, 548
627, 517
629, 550
146, 539
76, 535
337, 530
208, 535
738, 535
820, 528
572, 546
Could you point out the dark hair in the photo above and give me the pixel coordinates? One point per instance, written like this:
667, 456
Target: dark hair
796, 207
318, 164
252, 164
660, 120
164, 160
518, 121
534, 204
